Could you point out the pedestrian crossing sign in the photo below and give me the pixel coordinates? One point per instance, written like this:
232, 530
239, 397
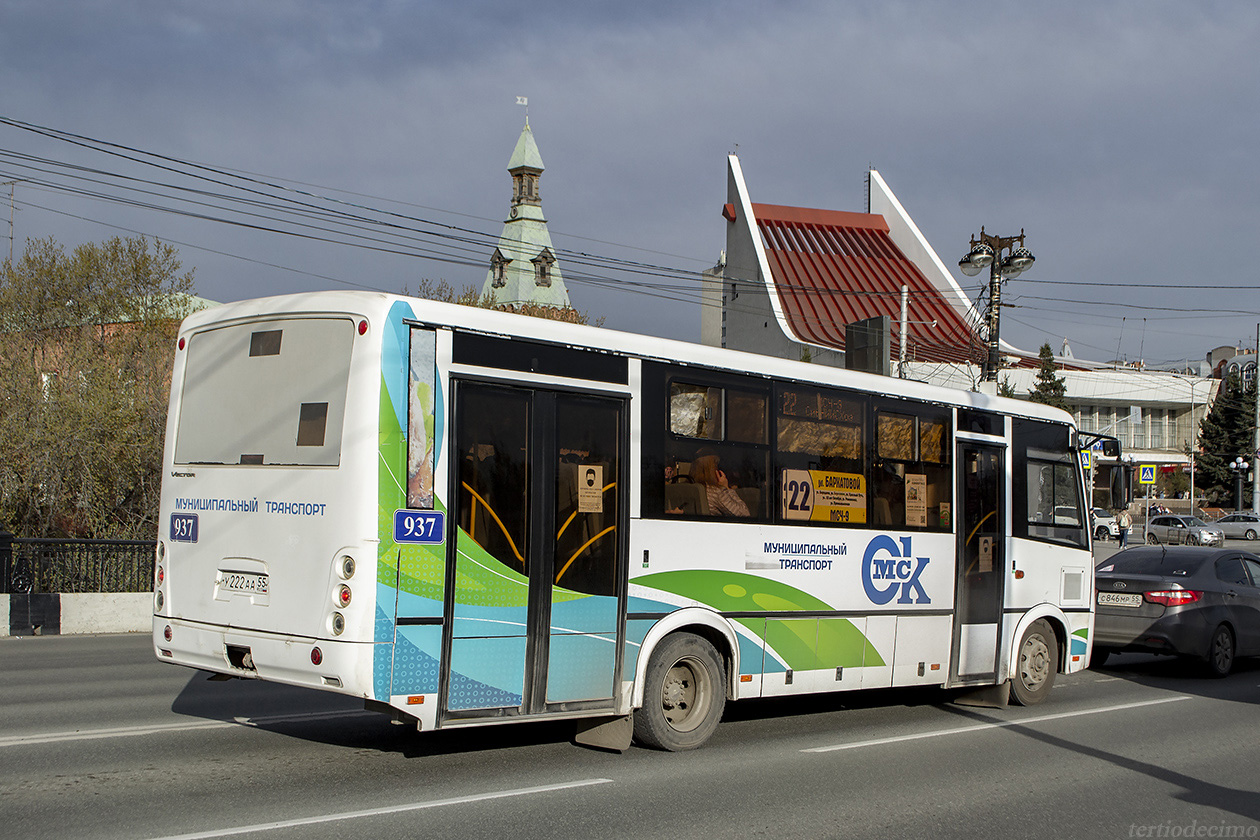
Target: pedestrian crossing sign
1085, 459
1146, 474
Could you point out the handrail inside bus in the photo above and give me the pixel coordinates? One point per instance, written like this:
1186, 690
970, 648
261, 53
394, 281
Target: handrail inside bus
573, 515
490, 510
983, 520
585, 545
512, 543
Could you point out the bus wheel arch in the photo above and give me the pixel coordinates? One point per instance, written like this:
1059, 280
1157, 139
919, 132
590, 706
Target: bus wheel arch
701, 622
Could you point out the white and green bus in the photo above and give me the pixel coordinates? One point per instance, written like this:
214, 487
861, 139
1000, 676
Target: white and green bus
467, 517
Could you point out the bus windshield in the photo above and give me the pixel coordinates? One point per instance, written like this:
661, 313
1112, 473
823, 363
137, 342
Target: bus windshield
229, 411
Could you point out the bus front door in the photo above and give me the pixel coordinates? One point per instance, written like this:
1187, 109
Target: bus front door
535, 589
981, 569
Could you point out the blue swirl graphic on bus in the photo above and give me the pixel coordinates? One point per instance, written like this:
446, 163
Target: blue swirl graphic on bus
900, 568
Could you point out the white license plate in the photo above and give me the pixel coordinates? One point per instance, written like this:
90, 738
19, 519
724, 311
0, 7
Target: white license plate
1119, 599
250, 584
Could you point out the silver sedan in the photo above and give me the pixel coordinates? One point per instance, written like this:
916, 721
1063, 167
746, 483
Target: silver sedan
1182, 530
1239, 526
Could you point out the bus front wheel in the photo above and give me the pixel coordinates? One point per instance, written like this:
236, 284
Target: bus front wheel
684, 693
1036, 663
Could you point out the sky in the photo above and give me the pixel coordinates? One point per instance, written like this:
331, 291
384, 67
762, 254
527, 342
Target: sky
1121, 137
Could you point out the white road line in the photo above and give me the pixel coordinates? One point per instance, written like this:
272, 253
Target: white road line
153, 729
377, 812
994, 725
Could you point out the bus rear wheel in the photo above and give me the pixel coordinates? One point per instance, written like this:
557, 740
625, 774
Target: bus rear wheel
1036, 663
684, 693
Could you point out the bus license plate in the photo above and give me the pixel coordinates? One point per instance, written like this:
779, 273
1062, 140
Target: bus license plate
1119, 599
244, 582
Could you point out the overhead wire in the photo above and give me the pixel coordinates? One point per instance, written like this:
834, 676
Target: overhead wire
306, 214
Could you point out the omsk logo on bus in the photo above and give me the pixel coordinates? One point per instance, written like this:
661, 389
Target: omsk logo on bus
892, 571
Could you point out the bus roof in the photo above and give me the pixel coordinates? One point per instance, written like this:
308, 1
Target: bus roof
376, 305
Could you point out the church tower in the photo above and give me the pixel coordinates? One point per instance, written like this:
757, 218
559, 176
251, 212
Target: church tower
523, 268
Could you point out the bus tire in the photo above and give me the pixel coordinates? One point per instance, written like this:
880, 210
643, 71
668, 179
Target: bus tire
1036, 663
684, 693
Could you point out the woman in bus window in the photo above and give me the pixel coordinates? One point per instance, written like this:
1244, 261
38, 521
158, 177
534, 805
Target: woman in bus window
722, 498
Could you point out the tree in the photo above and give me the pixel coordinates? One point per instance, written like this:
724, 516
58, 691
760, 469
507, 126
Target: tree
1225, 433
1050, 388
85, 366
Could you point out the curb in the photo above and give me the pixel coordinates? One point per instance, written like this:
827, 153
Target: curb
50, 614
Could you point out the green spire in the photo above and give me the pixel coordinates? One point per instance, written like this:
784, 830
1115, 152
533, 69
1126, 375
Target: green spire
523, 267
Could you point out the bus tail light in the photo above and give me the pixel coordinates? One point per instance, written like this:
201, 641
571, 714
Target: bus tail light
1173, 597
338, 624
317, 656
166, 633
343, 596
345, 567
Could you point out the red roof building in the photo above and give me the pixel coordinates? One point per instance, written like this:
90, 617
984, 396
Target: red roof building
794, 277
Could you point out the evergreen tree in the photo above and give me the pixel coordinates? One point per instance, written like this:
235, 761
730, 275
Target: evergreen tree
1050, 388
1225, 433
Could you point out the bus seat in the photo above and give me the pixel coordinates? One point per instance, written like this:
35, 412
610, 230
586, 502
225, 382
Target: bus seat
881, 511
692, 498
752, 498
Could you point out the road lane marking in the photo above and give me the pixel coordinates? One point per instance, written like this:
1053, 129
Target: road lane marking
377, 812
992, 725
153, 729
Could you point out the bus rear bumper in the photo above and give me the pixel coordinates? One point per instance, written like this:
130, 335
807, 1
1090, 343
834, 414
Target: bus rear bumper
345, 667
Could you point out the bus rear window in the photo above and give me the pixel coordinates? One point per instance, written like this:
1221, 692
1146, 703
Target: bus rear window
266, 393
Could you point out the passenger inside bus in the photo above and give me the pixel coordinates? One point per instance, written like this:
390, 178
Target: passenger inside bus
722, 498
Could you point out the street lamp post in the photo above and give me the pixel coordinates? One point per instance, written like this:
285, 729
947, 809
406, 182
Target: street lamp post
987, 252
1239, 466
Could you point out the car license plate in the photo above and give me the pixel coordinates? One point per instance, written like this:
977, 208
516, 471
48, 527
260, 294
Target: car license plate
1119, 599
245, 582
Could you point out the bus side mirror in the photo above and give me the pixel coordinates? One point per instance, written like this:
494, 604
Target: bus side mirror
1110, 448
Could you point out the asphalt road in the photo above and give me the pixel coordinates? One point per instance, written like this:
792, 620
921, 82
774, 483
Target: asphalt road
100, 740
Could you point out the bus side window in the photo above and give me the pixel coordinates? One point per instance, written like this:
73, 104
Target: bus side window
911, 475
1047, 497
729, 423
820, 457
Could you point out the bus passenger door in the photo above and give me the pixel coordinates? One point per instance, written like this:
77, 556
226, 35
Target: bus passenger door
534, 599
981, 568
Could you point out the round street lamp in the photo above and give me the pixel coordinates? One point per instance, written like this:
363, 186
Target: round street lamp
1239, 466
986, 252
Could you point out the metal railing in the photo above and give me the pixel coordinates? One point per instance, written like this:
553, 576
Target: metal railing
67, 565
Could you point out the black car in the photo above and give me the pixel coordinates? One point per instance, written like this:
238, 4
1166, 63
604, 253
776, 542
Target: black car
1202, 603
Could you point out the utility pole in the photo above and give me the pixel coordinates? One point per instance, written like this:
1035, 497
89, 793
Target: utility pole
1255, 431
901, 345
11, 185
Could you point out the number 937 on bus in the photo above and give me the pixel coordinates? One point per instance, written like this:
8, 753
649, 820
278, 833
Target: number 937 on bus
419, 526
